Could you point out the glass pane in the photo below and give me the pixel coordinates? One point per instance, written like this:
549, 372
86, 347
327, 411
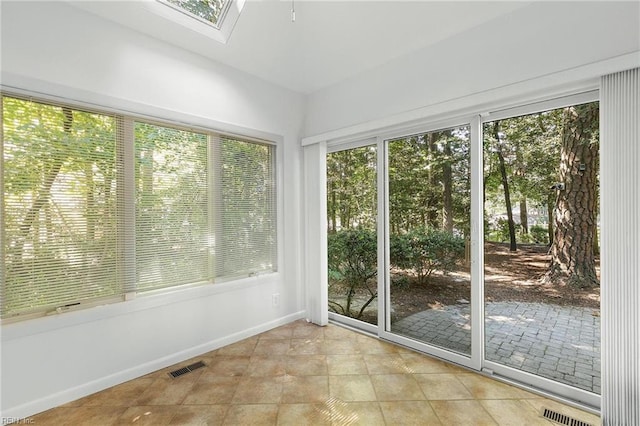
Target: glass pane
352, 236
211, 11
60, 187
245, 212
429, 224
542, 294
172, 228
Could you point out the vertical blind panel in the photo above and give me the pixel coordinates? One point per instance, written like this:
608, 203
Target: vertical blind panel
60, 177
172, 231
245, 213
620, 156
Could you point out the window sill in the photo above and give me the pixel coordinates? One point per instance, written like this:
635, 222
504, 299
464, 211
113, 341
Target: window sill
141, 302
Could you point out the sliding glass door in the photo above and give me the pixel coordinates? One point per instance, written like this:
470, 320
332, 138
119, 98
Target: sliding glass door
477, 243
541, 250
351, 234
429, 191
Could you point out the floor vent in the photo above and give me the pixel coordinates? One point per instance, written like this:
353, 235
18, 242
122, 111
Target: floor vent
562, 419
187, 369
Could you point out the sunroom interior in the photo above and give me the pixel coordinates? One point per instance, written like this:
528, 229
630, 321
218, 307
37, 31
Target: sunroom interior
301, 79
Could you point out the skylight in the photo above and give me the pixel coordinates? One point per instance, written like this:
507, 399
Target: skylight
210, 11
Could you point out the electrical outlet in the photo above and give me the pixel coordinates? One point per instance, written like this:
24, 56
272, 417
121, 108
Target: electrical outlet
275, 299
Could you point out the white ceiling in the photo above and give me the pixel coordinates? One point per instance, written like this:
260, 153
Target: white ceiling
329, 41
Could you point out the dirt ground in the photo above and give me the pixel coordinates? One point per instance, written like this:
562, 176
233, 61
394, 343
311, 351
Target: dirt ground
509, 276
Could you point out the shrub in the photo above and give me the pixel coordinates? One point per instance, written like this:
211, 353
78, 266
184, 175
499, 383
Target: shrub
540, 234
425, 251
352, 261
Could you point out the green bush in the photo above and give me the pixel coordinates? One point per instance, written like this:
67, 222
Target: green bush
540, 234
425, 251
352, 261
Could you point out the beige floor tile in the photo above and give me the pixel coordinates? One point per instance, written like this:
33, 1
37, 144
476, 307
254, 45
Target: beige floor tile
212, 390
306, 347
423, 364
252, 414
122, 395
385, 364
396, 387
351, 388
341, 346
409, 413
370, 345
241, 348
296, 389
307, 365
485, 388
258, 390
308, 331
541, 403
147, 415
302, 415
277, 333
192, 415
359, 414
304, 374
462, 413
166, 391
78, 416
442, 387
272, 347
261, 366
346, 364
225, 365
334, 332
513, 412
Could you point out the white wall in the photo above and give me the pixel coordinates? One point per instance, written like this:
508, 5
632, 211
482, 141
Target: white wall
532, 42
56, 49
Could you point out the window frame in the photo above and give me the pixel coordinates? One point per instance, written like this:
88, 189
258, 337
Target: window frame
136, 299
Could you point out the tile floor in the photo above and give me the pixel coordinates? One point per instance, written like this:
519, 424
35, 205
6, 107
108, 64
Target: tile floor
301, 374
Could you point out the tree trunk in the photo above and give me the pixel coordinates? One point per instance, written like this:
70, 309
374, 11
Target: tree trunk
572, 256
332, 207
432, 199
524, 218
44, 194
505, 186
550, 207
447, 188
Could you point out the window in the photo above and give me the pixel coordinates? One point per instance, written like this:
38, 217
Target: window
246, 218
82, 223
171, 207
211, 11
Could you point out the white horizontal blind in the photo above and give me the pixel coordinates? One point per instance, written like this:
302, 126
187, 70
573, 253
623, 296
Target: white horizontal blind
60, 180
172, 232
93, 206
245, 208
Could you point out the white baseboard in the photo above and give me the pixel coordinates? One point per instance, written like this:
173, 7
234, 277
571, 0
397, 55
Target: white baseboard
31, 408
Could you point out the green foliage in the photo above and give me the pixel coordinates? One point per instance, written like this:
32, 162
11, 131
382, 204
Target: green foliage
539, 234
429, 181
352, 260
425, 250
499, 231
351, 189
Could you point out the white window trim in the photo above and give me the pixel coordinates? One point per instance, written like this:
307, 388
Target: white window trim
133, 301
137, 13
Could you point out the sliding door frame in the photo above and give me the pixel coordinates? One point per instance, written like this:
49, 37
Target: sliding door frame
475, 120
384, 285
538, 383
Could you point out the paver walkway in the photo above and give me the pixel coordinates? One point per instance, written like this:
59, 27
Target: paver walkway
556, 342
